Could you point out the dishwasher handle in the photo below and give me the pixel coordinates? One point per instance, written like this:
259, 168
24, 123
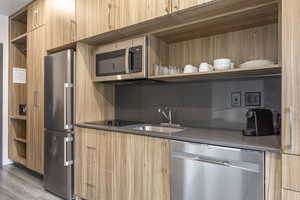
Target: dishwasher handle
239, 165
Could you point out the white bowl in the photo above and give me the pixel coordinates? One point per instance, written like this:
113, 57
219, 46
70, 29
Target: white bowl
222, 61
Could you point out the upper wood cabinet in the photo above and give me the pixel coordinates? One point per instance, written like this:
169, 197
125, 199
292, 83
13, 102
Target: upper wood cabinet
183, 4
94, 17
35, 99
117, 166
136, 11
60, 23
290, 76
36, 15
99, 16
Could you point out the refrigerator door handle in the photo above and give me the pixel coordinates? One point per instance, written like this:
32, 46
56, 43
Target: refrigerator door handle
66, 125
68, 139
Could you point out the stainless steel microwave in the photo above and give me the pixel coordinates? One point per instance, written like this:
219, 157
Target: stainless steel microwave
124, 60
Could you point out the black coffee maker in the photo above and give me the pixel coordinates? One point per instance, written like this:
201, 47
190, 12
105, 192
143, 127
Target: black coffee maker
259, 122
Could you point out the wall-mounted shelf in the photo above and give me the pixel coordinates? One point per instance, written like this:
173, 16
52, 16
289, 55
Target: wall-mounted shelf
18, 117
222, 74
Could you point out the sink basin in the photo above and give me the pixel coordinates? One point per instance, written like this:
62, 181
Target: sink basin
160, 129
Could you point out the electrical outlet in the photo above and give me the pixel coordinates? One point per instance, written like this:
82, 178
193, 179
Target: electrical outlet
236, 99
253, 99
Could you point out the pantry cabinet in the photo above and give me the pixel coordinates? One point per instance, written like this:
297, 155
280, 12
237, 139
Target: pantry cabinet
290, 76
60, 23
183, 4
112, 165
35, 99
36, 15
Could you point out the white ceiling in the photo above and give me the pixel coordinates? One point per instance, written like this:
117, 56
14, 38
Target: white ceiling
8, 7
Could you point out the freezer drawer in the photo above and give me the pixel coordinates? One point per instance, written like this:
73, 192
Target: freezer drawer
58, 177
212, 173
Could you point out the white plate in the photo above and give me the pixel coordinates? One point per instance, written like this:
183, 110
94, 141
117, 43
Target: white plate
256, 63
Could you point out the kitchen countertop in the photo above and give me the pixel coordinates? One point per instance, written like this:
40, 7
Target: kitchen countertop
219, 137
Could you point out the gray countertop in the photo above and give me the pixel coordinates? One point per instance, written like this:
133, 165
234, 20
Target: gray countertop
220, 137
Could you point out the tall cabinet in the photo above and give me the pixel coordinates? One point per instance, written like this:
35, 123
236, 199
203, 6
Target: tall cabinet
27, 51
291, 97
35, 98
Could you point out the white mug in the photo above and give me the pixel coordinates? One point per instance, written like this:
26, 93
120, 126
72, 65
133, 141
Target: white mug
223, 64
205, 67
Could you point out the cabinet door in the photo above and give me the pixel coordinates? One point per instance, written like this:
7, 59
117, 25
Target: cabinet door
94, 17
35, 15
136, 11
183, 4
94, 164
290, 76
290, 195
121, 166
157, 169
35, 95
61, 25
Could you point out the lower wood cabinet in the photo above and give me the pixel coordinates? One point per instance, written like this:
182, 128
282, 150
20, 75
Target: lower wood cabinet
291, 172
290, 195
120, 166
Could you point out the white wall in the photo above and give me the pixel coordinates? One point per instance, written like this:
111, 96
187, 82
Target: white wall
4, 40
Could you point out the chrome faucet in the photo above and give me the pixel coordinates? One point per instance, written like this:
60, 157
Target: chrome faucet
167, 113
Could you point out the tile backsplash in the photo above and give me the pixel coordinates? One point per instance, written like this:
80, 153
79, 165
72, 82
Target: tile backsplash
196, 104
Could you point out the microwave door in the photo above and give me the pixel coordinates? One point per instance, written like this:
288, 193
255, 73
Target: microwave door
112, 63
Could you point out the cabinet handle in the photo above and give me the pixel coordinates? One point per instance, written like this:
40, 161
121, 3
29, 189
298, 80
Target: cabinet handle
109, 16
167, 9
35, 19
36, 99
290, 129
176, 6
68, 139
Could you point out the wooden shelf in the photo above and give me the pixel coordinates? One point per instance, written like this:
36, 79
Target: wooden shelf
18, 117
21, 39
20, 42
224, 74
20, 140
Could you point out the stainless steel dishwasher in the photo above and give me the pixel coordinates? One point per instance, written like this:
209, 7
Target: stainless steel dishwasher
206, 172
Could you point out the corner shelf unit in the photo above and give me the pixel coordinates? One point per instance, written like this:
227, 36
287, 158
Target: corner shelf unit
17, 91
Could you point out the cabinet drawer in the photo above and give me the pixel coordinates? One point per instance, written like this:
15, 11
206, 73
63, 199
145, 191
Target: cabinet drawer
291, 172
290, 195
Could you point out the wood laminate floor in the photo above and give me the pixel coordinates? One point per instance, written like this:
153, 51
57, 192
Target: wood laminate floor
17, 183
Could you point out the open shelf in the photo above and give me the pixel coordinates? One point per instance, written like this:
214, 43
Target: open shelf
19, 154
255, 43
21, 39
221, 74
20, 42
17, 117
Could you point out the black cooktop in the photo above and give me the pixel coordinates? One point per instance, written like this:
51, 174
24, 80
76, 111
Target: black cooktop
113, 123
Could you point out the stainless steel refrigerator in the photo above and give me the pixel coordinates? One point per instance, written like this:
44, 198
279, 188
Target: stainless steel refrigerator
59, 114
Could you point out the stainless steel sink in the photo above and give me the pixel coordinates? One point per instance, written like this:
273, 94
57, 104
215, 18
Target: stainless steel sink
160, 129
